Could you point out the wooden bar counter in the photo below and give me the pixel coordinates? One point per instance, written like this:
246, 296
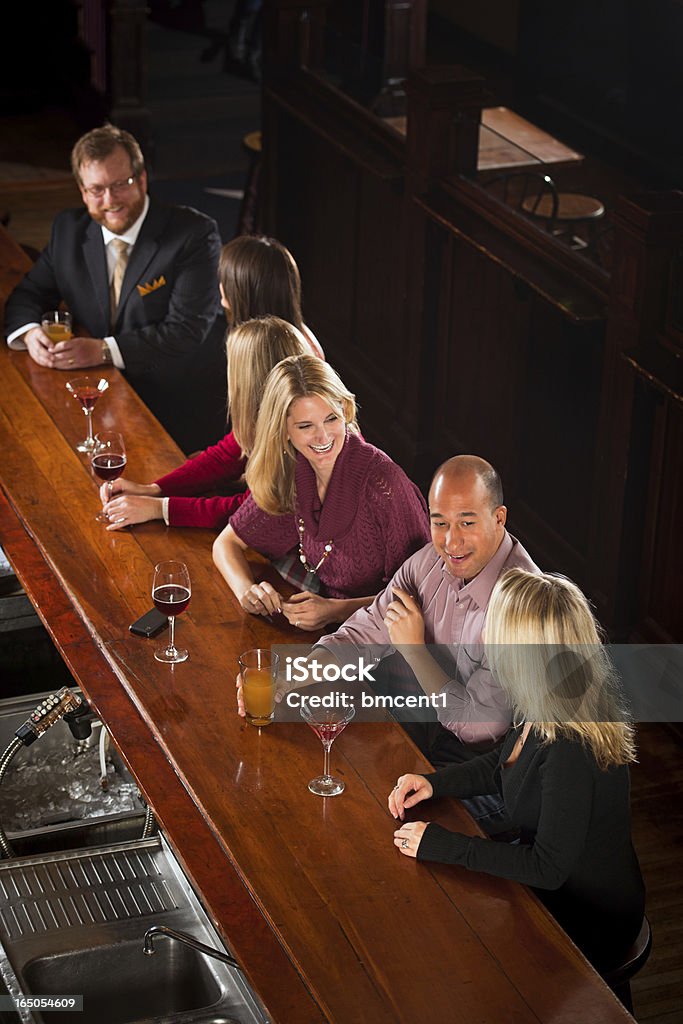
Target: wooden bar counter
330, 922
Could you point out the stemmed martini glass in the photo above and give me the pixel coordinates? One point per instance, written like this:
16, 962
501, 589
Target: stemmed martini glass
87, 390
327, 723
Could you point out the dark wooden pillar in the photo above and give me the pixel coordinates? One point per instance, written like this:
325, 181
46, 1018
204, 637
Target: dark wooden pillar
293, 35
405, 31
637, 550
127, 72
92, 28
444, 111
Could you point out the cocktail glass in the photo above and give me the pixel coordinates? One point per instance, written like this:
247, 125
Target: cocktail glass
56, 325
258, 668
108, 461
171, 593
87, 390
327, 723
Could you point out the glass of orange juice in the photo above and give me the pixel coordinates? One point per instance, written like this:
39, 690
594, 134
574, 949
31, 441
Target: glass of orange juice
57, 325
258, 668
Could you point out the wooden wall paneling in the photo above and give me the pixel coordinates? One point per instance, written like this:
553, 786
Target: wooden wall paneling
349, 245
659, 599
478, 355
381, 365
317, 202
648, 234
516, 376
557, 419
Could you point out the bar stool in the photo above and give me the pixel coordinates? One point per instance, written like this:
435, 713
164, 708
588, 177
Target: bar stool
619, 977
572, 209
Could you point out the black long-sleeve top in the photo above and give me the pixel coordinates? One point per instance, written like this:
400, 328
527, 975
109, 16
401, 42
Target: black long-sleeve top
575, 842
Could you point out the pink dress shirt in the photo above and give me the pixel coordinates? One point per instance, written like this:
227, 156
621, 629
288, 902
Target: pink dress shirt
454, 614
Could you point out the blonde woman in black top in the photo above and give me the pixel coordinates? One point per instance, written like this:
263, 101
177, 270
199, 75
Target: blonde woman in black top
562, 771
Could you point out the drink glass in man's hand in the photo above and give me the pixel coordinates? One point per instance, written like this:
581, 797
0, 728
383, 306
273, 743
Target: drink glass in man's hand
56, 325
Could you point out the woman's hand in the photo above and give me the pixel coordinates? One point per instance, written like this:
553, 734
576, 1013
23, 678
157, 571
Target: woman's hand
261, 599
417, 786
123, 486
310, 611
408, 837
128, 509
403, 619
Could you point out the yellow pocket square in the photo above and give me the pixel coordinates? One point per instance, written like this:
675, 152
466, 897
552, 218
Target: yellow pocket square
151, 286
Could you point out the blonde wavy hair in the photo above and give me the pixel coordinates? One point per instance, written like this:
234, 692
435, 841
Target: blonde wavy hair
544, 648
271, 468
254, 348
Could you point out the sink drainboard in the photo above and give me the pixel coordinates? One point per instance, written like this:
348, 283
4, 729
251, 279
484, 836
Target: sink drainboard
82, 889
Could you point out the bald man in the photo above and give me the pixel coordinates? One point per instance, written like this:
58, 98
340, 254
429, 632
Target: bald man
431, 615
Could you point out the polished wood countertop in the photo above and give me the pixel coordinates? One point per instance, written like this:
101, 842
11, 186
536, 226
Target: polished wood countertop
330, 922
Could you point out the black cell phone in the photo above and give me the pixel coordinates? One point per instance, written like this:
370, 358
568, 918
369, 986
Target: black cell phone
150, 624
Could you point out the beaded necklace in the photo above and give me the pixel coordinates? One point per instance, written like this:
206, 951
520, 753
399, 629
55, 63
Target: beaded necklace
302, 556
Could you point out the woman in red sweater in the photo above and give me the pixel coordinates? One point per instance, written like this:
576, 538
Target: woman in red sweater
257, 277
254, 348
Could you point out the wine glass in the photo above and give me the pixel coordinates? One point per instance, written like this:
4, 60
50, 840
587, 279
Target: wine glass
56, 325
108, 462
171, 595
327, 723
87, 390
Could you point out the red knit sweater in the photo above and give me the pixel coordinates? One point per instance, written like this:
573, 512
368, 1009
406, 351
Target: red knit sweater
219, 464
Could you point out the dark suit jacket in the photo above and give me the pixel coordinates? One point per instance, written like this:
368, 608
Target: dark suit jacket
169, 325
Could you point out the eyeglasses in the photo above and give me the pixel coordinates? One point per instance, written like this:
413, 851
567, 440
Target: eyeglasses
116, 187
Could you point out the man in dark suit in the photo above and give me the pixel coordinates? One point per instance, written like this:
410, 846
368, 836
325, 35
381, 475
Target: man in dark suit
140, 280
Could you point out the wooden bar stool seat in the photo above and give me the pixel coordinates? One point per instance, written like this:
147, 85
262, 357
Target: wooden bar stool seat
619, 977
571, 210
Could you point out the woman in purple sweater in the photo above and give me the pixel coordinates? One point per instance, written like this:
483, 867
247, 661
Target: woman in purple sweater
334, 514
254, 348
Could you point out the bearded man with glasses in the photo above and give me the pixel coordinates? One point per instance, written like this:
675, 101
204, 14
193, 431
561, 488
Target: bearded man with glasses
139, 278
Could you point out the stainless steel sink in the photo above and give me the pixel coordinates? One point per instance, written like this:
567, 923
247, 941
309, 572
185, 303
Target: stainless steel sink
73, 924
120, 985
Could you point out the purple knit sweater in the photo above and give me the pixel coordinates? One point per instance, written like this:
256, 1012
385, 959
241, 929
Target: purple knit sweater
373, 514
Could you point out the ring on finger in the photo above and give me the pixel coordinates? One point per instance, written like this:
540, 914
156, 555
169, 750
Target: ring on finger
404, 844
